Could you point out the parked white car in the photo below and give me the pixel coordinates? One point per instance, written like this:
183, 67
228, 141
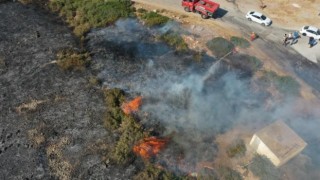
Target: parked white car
258, 17
310, 31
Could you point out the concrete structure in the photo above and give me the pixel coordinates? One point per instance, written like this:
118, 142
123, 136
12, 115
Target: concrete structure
278, 142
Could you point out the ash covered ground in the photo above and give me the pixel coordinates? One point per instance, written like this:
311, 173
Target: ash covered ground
51, 120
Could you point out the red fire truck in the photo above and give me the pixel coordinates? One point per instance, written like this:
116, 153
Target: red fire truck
206, 8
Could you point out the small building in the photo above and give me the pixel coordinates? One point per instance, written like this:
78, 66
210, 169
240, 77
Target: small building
278, 142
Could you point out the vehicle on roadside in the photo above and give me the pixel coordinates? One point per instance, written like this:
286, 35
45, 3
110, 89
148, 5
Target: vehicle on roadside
310, 31
206, 8
258, 18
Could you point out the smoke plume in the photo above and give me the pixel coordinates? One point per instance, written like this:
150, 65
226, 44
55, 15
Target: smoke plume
196, 101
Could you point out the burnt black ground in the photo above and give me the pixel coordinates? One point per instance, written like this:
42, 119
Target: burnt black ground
63, 137
65, 132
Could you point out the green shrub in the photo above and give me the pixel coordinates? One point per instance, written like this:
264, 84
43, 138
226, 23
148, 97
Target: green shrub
197, 56
241, 42
246, 62
220, 46
131, 133
129, 130
262, 167
69, 59
114, 114
154, 19
82, 15
228, 173
141, 10
237, 148
218, 173
207, 174
175, 40
284, 84
151, 172
94, 81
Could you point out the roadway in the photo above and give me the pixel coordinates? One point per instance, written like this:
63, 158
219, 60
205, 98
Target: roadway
298, 58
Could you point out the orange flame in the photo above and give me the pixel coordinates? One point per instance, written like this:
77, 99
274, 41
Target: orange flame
150, 146
132, 106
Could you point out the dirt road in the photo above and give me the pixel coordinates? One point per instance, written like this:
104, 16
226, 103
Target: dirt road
294, 60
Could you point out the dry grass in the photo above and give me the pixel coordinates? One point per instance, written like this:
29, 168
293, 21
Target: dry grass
60, 167
30, 106
36, 136
69, 59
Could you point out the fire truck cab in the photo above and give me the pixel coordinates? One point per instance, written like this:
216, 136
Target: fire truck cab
206, 8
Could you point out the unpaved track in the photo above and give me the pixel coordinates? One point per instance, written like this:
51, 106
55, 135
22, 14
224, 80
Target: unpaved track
269, 42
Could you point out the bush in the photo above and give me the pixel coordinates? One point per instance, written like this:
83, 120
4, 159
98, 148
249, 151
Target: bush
114, 115
69, 59
175, 40
151, 172
237, 148
129, 130
284, 84
262, 167
197, 56
131, 133
246, 62
141, 10
241, 42
228, 173
154, 19
218, 173
94, 81
220, 46
82, 15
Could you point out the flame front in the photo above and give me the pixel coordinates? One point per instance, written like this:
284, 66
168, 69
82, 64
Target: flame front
150, 147
132, 106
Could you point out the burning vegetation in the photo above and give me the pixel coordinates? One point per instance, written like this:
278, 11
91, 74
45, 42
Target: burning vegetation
150, 147
132, 106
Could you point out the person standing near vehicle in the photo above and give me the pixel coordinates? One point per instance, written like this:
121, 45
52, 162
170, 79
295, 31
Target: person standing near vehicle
253, 36
285, 39
311, 41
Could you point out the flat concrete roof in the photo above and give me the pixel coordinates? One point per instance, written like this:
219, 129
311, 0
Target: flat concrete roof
281, 140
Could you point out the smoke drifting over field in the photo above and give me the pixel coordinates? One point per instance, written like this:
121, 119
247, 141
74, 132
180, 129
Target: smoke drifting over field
195, 100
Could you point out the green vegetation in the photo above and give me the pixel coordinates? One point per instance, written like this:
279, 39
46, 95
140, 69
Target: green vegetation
254, 63
246, 62
131, 132
241, 42
151, 172
83, 15
220, 46
237, 148
153, 18
69, 59
114, 115
228, 173
141, 10
262, 167
197, 56
175, 40
94, 81
221, 172
207, 174
284, 84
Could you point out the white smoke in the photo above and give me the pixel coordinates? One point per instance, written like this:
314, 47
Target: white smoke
202, 99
